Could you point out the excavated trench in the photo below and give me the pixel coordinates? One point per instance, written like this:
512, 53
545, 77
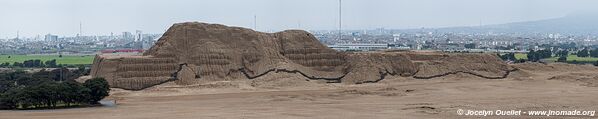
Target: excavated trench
471, 73
332, 80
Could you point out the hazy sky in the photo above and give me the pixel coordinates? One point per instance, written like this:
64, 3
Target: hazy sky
101, 17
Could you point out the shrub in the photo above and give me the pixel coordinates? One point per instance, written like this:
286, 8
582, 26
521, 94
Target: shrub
562, 59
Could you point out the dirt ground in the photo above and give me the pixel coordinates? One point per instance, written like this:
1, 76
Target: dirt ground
535, 87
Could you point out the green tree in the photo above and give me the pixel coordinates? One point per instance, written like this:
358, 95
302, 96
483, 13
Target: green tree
51, 63
594, 53
583, 53
574, 62
5, 64
470, 46
22, 90
17, 64
532, 56
508, 57
562, 59
99, 89
82, 93
8, 99
544, 53
562, 53
48, 93
74, 93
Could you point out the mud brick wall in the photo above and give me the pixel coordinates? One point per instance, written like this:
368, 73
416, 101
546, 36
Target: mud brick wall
488, 65
192, 51
134, 73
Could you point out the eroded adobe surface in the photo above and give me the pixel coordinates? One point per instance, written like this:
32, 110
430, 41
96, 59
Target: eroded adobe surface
189, 52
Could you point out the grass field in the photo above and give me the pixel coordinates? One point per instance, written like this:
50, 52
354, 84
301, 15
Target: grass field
574, 57
569, 58
65, 59
520, 56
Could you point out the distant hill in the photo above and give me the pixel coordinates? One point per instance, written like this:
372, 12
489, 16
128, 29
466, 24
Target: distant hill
581, 23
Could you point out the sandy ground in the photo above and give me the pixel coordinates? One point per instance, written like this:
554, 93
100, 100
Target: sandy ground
393, 98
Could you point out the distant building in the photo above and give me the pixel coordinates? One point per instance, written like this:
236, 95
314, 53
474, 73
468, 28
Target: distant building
358, 47
127, 36
51, 37
148, 41
398, 47
396, 37
138, 36
122, 51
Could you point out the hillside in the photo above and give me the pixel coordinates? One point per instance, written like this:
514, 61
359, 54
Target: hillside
193, 52
579, 23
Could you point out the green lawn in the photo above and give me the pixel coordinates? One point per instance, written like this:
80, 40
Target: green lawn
65, 59
574, 57
569, 58
520, 56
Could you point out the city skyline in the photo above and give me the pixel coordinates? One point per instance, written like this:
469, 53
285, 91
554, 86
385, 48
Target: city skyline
66, 17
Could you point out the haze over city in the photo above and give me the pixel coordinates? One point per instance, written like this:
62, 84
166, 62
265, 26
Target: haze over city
63, 17
415, 59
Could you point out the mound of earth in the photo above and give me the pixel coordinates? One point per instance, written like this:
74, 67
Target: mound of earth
585, 75
191, 52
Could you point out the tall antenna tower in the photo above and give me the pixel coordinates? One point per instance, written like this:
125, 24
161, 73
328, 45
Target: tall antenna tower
340, 21
255, 22
481, 23
17, 35
80, 28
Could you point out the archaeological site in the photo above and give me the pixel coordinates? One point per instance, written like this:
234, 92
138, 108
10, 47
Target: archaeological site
190, 52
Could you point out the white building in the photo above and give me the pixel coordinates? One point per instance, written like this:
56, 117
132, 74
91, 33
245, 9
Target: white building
50, 37
396, 37
138, 35
358, 47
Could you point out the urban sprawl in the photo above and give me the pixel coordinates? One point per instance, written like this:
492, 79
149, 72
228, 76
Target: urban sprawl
350, 40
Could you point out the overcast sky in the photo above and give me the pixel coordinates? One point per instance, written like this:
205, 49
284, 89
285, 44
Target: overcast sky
102, 17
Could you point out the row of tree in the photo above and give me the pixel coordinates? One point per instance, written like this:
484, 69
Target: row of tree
508, 57
49, 89
533, 56
52, 94
541, 54
587, 53
33, 63
537, 55
561, 53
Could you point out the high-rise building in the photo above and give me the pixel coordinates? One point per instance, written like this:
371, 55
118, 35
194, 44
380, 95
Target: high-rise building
127, 36
50, 37
138, 35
